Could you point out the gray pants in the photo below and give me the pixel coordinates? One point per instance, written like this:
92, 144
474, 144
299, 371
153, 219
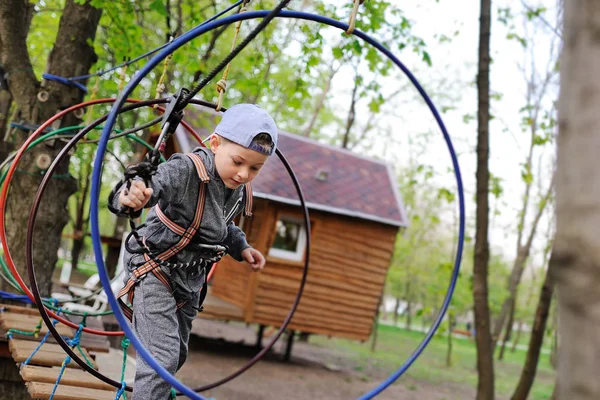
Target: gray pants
164, 330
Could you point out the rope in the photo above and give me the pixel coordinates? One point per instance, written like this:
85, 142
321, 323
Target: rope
65, 81
352, 20
88, 117
71, 342
121, 391
160, 86
9, 336
59, 377
122, 77
222, 83
124, 345
149, 53
262, 25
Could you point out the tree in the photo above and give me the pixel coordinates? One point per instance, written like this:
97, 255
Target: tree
538, 121
575, 260
71, 55
485, 361
536, 340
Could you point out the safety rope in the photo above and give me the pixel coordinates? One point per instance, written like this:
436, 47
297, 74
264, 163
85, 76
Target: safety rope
122, 77
124, 345
9, 335
160, 86
149, 53
72, 343
222, 83
34, 334
88, 117
353, 13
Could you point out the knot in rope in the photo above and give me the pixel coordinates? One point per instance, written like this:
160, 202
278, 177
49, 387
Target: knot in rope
125, 343
76, 339
222, 86
121, 391
145, 169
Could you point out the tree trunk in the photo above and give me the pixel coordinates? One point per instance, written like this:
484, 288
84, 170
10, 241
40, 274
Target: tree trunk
519, 268
5, 104
554, 348
375, 329
79, 231
485, 361
449, 349
507, 331
396, 306
408, 314
575, 261
517, 337
536, 341
351, 114
71, 55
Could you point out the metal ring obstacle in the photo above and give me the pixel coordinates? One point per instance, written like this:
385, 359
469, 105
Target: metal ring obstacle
4, 194
96, 181
33, 214
31, 271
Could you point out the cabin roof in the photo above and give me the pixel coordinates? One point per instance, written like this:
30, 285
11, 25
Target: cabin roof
332, 179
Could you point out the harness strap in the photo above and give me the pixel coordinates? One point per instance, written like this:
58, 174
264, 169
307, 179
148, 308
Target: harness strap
186, 237
248, 200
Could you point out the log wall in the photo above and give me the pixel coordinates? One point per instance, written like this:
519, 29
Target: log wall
348, 266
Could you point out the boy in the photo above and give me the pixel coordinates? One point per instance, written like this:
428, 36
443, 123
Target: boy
205, 188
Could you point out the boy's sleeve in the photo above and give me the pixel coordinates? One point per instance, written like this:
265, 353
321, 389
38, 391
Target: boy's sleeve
171, 179
235, 241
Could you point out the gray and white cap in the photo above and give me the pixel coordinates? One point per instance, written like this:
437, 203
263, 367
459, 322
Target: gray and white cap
242, 122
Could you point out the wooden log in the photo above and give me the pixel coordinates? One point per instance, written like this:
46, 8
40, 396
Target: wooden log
49, 355
268, 280
71, 377
316, 298
285, 299
327, 279
312, 320
349, 253
42, 391
317, 329
370, 242
20, 309
27, 323
338, 260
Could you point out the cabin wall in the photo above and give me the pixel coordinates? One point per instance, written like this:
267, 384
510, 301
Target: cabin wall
234, 282
349, 263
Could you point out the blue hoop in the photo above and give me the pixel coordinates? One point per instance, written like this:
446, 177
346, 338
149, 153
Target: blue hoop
96, 182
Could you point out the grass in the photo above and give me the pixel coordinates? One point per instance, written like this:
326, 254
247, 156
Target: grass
394, 345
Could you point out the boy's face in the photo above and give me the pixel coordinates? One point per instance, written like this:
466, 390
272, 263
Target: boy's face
235, 164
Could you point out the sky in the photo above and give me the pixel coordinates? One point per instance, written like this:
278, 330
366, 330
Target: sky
451, 82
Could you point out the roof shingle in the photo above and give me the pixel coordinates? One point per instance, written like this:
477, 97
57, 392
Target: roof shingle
349, 184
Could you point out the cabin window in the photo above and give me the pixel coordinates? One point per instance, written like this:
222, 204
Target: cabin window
290, 239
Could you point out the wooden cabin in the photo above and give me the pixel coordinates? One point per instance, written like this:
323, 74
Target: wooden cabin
355, 213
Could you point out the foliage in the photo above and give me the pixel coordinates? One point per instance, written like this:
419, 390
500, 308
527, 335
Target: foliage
396, 344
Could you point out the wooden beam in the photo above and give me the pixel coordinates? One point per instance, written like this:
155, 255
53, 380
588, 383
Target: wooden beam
42, 391
71, 377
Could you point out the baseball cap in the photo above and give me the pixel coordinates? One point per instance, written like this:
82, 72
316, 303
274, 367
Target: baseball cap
242, 122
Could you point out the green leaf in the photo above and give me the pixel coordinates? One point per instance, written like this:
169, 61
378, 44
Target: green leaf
159, 7
426, 58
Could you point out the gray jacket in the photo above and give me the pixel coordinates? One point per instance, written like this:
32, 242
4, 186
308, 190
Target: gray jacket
176, 187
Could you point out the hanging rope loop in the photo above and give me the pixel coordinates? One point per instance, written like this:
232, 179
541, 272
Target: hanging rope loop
222, 83
352, 20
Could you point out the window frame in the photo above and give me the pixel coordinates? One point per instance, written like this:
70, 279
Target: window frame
287, 255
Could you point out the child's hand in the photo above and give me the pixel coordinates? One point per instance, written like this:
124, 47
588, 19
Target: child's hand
137, 196
254, 258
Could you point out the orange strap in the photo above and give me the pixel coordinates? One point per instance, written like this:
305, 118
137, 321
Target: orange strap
186, 237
